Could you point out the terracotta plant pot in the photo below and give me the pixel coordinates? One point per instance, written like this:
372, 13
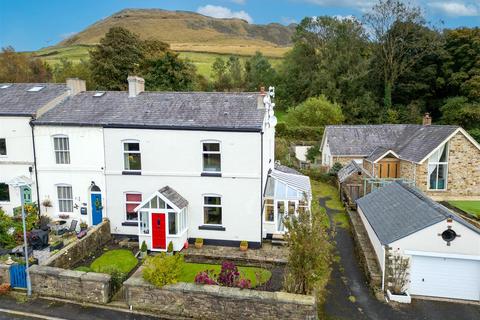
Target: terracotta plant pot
198, 245
243, 248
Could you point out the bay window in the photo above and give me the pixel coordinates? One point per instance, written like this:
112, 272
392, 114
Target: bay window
438, 169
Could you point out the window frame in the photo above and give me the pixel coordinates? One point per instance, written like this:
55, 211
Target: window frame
125, 152
8, 191
205, 205
6, 150
65, 199
65, 152
269, 205
219, 152
437, 165
126, 202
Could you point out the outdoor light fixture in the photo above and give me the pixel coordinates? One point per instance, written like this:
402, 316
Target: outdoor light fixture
21, 183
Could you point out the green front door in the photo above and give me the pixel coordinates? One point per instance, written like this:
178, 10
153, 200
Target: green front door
27, 195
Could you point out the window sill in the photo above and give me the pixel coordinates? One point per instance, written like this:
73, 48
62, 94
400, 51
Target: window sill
130, 224
211, 174
211, 227
131, 173
269, 222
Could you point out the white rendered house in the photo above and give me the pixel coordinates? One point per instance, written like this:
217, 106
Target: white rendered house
19, 104
163, 167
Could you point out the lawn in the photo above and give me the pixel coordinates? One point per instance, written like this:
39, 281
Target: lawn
190, 270
472, 207
122, 260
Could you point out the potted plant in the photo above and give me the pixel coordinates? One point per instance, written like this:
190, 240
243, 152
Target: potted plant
57, 245
170, 249
198, 243
397, 267
243, 245
64, 216
143, 250
47, 203
83, 225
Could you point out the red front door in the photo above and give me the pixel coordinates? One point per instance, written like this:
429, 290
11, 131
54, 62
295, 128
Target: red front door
159, 231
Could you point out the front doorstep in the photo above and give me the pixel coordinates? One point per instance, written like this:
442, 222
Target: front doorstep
399, 298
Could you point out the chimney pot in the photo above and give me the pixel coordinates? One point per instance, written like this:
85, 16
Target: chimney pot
262, 91
136, 85
76, 85
427, 119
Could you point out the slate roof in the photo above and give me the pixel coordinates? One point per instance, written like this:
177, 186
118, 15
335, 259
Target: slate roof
349, 169
285, 169
16, 100
409, 141
398, 210
174, 197
161, 110
377, 153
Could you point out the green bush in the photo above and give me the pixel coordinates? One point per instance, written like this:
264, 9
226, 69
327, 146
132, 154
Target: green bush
170, 247
315, 111
284, 130
162, 270
144, 248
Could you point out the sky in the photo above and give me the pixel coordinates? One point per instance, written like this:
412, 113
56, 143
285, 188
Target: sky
33, 24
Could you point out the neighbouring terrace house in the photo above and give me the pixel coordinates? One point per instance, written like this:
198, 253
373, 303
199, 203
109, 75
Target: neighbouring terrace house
19, 104
441, 160
164, 167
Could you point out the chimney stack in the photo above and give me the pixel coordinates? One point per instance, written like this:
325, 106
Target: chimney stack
76, 85
427, 119
260, 98
135, 86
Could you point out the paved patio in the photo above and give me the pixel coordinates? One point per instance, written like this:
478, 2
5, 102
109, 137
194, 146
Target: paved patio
268, 255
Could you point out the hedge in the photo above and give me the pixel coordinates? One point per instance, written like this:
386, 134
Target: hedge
299, 132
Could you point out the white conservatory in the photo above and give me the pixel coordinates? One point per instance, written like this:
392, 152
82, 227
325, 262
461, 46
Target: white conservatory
288, 192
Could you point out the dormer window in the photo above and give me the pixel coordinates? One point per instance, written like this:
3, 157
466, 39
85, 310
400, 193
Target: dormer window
438, 169
35, 89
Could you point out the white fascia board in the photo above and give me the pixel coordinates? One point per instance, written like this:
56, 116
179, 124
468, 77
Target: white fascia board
441, 255
155, 194
385, 154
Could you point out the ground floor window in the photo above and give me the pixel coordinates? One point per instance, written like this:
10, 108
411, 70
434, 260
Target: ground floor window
4, 192
172, 223
65, 198
437, 176
269, 210
212, 209
132, 200
144, 222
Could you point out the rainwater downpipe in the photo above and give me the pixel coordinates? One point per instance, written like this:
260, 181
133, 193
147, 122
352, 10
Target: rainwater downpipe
383, 270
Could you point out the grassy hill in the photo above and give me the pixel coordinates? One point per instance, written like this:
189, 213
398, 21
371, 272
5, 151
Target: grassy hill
199, 38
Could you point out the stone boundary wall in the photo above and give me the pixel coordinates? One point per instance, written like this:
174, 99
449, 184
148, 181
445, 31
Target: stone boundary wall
214, 302
365, 251
4, 273
76, 251
68, 284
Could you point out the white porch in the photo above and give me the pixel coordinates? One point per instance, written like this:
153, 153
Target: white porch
163, 219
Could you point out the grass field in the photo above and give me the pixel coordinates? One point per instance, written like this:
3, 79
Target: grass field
472, 207
202, 60
190, 270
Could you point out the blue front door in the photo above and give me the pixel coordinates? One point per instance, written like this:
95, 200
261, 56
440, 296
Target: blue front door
96, 208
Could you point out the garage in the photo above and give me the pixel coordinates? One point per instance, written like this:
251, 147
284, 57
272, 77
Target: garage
445, 277
442, 250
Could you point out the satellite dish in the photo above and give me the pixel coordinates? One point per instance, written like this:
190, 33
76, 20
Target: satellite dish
272, 121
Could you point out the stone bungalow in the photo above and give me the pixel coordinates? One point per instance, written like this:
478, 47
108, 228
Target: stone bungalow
441, 160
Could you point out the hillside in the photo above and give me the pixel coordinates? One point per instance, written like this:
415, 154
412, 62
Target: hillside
191, 32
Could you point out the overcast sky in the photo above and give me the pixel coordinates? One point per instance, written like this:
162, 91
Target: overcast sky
33, 24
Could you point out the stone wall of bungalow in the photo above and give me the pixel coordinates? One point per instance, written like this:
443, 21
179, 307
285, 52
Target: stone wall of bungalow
345, 160
463, 172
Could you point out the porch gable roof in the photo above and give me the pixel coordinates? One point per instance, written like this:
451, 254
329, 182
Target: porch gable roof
169, 195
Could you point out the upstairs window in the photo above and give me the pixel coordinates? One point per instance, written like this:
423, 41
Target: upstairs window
62, 150
65, 198
132, 200
212, 209
438, 169
4, 193
211, 157
131, 156
3, 147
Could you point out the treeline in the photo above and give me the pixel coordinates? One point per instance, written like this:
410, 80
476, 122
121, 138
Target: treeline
389, 67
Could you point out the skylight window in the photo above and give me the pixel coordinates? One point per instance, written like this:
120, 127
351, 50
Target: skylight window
5, 86
99, 94
35, 89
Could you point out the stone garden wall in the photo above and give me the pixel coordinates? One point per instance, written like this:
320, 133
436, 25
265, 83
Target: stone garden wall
75, 252
4, 273
68, 284
215, 302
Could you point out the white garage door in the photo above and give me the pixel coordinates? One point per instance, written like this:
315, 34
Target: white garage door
445, 277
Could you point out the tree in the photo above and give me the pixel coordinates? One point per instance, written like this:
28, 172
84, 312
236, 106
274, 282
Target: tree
228, 74
461, 111
168, 73
118, 55
394, 27
220, 75
21, 67
317, 111
67, 69
258, 73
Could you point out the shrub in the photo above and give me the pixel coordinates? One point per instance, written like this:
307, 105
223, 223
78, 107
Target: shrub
170, 247
229, 275
116, 277
162, 270
199, 241
299, 132
144, 248
335, 168
243, 243
315, 111
206, 277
